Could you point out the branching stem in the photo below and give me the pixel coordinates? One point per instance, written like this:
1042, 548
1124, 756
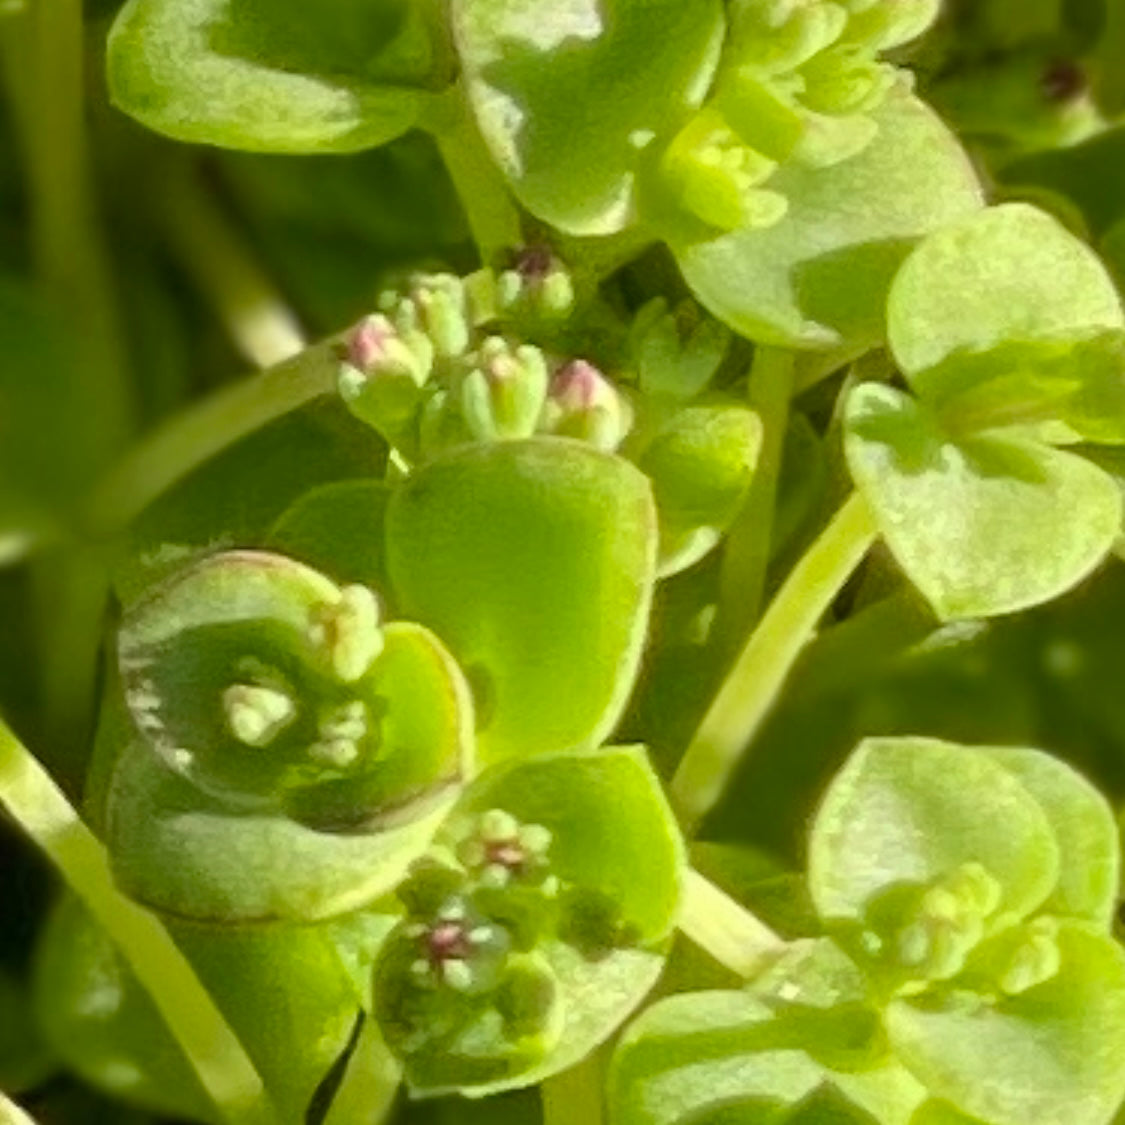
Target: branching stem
41, 810
756, 678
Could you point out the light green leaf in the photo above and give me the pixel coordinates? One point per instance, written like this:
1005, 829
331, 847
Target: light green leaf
534, 562
1051, 1055
914, 810
272, 75
1011, 273
1085, 830
700, 465
983, 526
819, 277
633, 66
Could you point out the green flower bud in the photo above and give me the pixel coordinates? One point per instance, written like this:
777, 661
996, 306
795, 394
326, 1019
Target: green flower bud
535, 286
715, 176
1035, 960
677, 353
436, 304
256, 713
348, 632
584, 404
502, 395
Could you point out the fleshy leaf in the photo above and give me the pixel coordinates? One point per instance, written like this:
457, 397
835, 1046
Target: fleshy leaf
1085, 830
634, 65
819, 277
983, 526
1010, 273
1050, 1054
337, 529
908, 811
700, 465
272, 75
534, 562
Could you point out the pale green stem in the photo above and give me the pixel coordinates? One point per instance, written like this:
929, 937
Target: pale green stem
753, 684
575, 1096
256, 316
40, 809
494, 219
725, 929
11, 1114
193, 437
371, 1081
746, 554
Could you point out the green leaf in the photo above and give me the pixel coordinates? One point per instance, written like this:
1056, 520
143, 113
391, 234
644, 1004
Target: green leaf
1051, 1055
182, 853
272, 75
1085, 831
983, 526
1010, 273
26, 1061
819, 277
719, 1057
909, 811
337, 529
701, 465
634, 66
534, 562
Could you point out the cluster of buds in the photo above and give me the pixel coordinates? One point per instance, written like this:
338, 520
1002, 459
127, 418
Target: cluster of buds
800, 80
534, 287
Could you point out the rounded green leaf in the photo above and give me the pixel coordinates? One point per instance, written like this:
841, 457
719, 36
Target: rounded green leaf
1085, 831
1010, 273
534, 562
634, 66
338, 529
1050, 1055
700, 465
983, 526
185, 854
909, 811
270, 76
819, 277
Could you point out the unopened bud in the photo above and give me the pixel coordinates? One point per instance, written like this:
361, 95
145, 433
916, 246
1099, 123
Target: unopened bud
348, 632
535, 286
257, 714
1035, 961
584, 404
502, 396
437, 305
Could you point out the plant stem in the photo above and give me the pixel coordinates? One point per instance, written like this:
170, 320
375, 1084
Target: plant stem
725, 929
257, 318
41, 810
574, 1097
194, 436
756, 678
747, 552
370, 1083
493, 217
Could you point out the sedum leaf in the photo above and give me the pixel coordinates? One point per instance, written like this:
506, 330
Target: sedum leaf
818, 278
272, 75
1010, 273
907, 811
982, 526
534, 562
633, 66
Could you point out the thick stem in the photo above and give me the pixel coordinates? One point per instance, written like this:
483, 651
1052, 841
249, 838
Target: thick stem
211, 425
746, 554
370, 1083
575, 1097
494, 219
725, 929
257, 318
758, 674
40, 809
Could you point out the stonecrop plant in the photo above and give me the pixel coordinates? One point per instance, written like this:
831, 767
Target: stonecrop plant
655, 658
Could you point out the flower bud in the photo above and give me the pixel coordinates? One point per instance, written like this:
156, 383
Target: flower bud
381, 380
437, 305
584, 404
536, 286
1036, 960
502, 396
715, 176
348, 633
256, 714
